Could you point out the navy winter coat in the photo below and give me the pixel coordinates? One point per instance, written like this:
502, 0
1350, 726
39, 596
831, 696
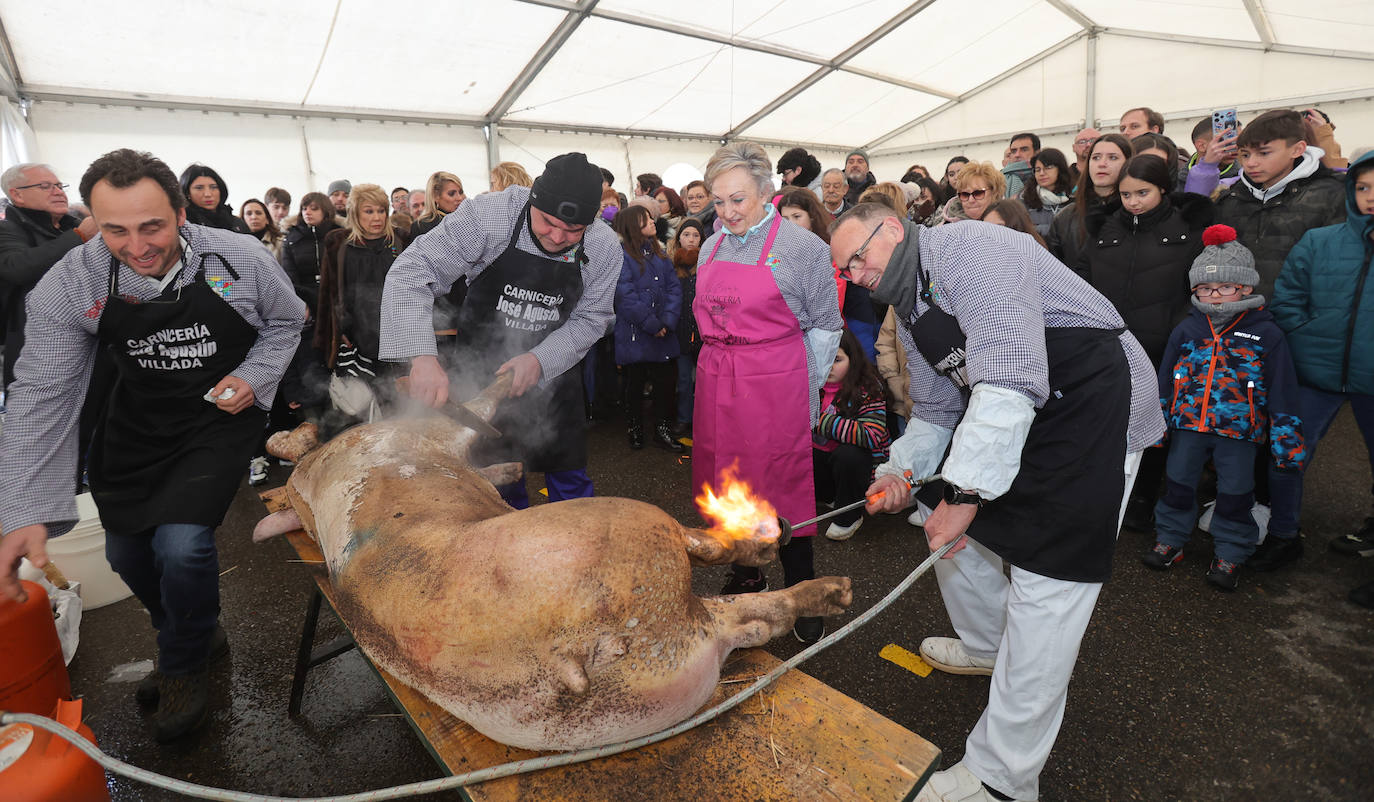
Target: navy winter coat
648, 298
1324, 300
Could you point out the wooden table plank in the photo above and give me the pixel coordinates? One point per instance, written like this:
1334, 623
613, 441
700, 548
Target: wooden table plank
797, 739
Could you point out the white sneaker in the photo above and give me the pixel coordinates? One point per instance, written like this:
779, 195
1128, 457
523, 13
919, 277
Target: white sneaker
917, 517
837, 532
948, 655
257, 471
955, 784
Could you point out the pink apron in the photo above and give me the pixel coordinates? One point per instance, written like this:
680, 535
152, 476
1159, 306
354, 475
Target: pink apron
751, 393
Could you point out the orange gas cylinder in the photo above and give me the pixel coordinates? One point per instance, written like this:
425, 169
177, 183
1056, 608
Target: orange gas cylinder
37, 766
32, 675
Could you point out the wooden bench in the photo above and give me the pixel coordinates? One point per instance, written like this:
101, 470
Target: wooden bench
797, 739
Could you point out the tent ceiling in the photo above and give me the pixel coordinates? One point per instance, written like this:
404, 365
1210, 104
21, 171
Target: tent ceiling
830, 72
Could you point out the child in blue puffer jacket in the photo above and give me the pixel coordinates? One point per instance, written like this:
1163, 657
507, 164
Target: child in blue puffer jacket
1228, 385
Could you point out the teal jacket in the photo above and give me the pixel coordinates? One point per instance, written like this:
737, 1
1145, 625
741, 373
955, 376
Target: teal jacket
1324, 300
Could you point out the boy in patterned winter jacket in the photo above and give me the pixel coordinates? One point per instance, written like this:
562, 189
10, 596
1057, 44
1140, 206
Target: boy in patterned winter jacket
1228, 386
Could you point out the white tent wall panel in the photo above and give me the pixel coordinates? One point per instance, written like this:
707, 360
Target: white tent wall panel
1187, 76
1334, 24
394, 154
1049, 93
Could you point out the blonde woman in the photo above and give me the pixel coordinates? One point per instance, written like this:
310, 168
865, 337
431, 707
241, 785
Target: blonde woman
509, 174
356, 261
977, 186
443, 194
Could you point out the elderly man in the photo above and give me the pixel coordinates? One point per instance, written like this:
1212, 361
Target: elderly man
833, 187
36, 232
857, 175
416, 203
541, 274
1082, 146
1045, 402
181, 309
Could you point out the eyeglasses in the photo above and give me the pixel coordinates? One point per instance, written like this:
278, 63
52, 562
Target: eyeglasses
847, 272
1084, 141
976, 194
45, 186
1224, 289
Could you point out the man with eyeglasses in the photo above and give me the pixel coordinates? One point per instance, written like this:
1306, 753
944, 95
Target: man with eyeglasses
38, 230
1082, 146
199, 324
541, 271
1044, 400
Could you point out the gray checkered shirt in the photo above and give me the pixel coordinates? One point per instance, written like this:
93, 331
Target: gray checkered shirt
39, 444
1005, 290
463, 246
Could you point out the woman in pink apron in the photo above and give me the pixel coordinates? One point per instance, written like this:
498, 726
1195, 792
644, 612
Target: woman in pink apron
770, 322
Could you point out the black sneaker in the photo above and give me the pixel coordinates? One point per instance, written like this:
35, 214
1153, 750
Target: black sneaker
183, 705
1160, 557
1359, 543
147, 692
1222, 575
1140, 515
745, 580
808, 630
1275, 552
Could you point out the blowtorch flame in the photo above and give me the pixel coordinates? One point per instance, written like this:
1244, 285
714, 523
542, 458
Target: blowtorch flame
737, 512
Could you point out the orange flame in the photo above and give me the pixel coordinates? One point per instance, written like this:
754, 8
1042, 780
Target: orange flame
737, 513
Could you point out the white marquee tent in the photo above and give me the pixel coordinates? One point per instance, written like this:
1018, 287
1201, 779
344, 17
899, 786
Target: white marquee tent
297, 94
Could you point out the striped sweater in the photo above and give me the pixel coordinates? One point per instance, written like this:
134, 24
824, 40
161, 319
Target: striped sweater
867, 429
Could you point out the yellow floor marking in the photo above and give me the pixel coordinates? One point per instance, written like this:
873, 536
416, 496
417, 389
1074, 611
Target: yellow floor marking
910, 661
544, 491
686, 441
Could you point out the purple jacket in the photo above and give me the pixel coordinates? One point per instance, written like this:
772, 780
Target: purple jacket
648, 298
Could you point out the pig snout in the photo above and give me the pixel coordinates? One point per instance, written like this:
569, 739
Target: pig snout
278, 523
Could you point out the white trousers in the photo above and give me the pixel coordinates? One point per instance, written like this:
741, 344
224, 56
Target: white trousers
1033, 625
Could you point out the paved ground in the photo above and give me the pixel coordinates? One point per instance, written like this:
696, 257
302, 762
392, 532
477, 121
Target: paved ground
1181, 692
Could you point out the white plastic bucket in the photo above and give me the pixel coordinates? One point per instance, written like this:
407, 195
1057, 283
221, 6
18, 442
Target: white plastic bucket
80, 555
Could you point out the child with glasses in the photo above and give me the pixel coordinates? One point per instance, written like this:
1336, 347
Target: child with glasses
1228, 385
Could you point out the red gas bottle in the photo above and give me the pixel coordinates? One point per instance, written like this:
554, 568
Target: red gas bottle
37, 766
33, 676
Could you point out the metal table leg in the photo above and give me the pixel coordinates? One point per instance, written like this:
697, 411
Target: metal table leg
307, 657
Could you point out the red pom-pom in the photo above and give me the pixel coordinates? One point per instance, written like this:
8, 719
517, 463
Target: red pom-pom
1217, 234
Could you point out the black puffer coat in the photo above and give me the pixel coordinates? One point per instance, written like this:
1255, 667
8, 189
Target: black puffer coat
1141, 264
1271, 228
29, 245
301, 257
1067, 238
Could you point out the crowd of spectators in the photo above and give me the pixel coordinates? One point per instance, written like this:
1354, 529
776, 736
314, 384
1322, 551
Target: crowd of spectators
1126, 213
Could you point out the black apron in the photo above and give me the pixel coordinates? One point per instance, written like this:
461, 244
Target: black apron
161, 453
509, 308
1059, 518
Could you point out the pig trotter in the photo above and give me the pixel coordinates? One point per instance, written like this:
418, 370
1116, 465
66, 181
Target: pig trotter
753, 619
708, 547
502, 473
294, 444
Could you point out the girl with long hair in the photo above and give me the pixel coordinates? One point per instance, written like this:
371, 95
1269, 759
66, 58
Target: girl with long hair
648, 305
686, 247
258, 220
207, 199
1051, 190
1010, 213
303, 252
509, 174
1094, 195
851, 437
443, 195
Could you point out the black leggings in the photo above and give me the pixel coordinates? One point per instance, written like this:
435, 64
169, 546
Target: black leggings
842, 476
664, 377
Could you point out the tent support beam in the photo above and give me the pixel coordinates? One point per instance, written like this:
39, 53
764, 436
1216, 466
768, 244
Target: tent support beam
1260, 19
991, 82
742, 44
1073, 14
493, 134
10, 80
541, 58
1090, 93
835, 64
1130, 33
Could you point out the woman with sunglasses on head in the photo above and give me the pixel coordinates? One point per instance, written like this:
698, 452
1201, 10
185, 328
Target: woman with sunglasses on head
976, 187
1051, 190
208, 198
1095, 195
443, 195
770, 322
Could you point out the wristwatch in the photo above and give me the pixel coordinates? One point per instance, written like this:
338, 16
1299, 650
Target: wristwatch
954, 495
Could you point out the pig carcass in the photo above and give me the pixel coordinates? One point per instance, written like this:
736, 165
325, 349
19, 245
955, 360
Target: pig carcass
558, 627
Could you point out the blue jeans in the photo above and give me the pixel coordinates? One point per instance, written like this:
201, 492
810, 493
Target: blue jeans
562, 485
1317, 409
1234, 533
174, 570
686, 386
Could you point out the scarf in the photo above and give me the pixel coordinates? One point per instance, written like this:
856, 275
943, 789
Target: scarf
897, 287
1049, 199
1222, 313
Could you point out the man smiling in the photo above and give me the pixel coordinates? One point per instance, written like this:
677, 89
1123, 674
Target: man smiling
541, 273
